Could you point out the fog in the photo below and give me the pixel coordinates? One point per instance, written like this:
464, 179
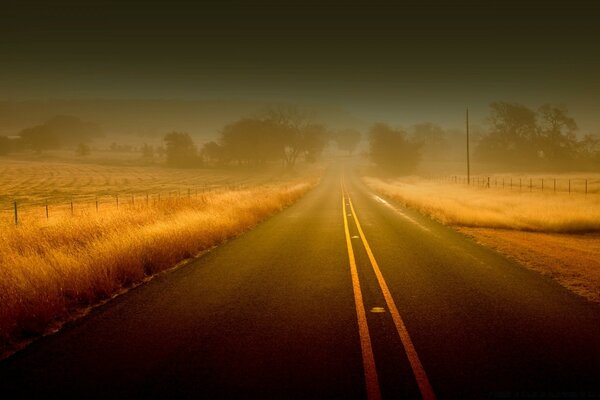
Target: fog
103, 82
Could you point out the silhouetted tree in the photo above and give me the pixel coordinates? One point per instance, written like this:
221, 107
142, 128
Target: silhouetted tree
519, 137
347, 140
315, 137
391, 151
180, 150
252, 140
60, 131
512, 135
297, 132
214, 154
588, 151
556, 141
432, 138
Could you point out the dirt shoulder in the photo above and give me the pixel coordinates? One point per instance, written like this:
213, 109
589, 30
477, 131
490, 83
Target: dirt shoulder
573, 260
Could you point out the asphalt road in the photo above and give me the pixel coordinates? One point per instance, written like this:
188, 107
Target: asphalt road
278, 313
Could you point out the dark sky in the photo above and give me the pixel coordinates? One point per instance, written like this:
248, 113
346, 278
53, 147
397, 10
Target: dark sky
402, 61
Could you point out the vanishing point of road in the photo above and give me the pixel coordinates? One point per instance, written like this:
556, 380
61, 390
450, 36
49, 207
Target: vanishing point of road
343, 295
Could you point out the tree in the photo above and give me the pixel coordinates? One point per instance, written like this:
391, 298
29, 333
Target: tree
180, 150
391, 151
60, 131
432, 138
519, 137
589, 151
252, 140
315, 138
511, 136
214, 154
347, 140
557, 142
292, 125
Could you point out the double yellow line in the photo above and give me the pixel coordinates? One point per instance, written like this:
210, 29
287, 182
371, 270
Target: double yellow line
372, 383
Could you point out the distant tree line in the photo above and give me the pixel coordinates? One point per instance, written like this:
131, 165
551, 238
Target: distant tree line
282, 134
516, 138
544, 139
57, 132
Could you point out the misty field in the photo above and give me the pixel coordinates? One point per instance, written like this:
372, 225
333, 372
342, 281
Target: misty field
557, 234
478, 206
50, 267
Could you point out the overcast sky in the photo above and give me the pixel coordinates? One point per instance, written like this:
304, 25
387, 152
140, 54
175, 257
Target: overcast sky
402, 61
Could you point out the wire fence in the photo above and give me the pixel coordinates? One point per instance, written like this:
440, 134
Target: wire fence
583, 186
18, 210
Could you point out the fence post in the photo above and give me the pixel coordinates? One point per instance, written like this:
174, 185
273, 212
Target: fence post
16, 214
488, 182
530, 184
117, 197
71, 208
586, 186
554, 185
47, 214
569, 186
146, 199
96, 203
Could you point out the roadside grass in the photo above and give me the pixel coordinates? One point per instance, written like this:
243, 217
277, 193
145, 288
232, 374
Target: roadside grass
462, 205
556, 234
53, 268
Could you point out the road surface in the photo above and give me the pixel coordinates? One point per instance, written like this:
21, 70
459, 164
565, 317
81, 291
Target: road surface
299, 308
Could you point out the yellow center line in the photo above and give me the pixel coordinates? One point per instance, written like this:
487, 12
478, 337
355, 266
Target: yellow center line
372, 383
411, 352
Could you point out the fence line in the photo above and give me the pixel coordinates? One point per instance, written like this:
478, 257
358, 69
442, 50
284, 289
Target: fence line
19, 207
570, 185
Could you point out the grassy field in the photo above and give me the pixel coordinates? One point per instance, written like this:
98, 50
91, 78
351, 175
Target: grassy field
557, 234
50, 268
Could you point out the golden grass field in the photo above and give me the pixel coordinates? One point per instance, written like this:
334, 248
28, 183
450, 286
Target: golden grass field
557, 234
52, 267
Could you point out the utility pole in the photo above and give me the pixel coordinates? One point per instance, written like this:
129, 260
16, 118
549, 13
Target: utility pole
468, 160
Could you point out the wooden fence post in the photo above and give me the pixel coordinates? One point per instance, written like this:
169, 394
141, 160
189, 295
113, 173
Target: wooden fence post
47, 213
71, 208
16, 214
569, 186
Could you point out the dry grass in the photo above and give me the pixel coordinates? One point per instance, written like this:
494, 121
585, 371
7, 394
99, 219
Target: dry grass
556, 234
50, 268
461, 205
35, 182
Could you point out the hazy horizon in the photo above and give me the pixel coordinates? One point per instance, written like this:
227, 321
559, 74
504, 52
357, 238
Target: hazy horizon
401, 63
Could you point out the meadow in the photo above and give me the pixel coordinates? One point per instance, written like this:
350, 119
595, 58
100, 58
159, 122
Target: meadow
52, 267
555, 233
